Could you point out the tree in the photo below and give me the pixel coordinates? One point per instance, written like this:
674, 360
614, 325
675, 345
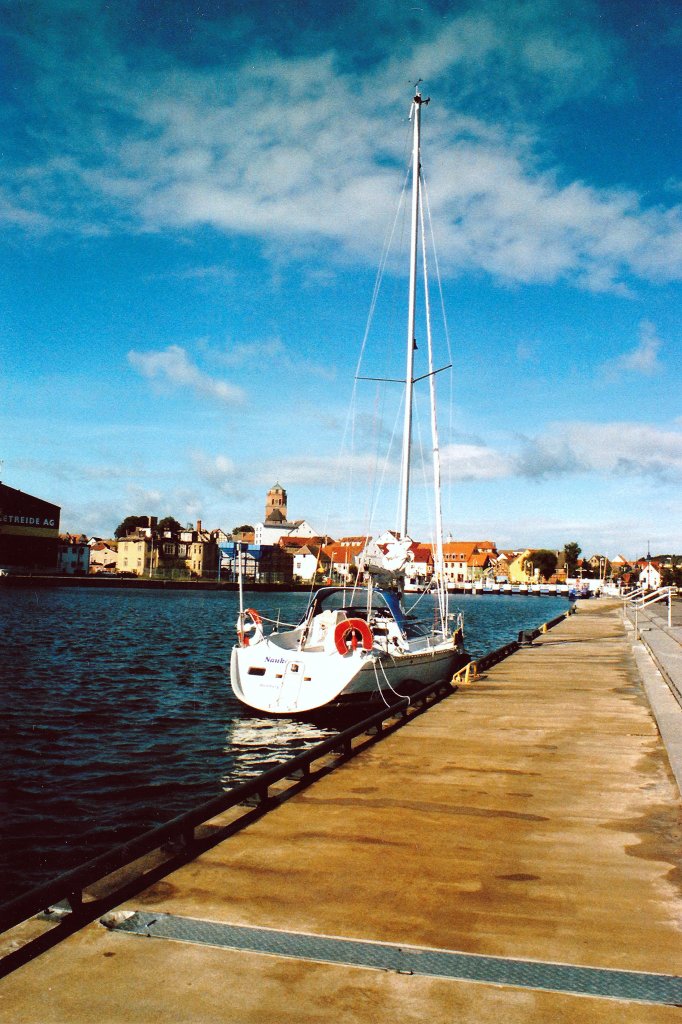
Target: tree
243, 529
129, 525
169, 524
672, 575
571, 556
545, 562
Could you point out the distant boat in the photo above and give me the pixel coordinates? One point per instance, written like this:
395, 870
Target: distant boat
359, 642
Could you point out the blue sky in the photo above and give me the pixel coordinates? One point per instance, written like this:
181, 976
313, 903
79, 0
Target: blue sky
194, 200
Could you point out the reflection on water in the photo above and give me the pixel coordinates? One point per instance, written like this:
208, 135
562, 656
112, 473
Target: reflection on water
254, 745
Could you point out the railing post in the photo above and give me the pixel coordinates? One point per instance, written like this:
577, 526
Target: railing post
75, 900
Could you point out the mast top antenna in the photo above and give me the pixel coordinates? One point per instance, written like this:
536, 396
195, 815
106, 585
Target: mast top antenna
417, 94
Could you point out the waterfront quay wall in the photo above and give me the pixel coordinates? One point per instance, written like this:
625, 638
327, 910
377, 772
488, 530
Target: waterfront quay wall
526, 823
145, 582
97, 581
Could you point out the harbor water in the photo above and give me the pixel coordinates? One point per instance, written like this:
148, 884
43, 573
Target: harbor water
116, 711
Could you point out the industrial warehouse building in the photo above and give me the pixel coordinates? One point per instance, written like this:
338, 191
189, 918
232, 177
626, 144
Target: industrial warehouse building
29, 532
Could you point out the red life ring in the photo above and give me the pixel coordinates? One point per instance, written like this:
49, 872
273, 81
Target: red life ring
349, 631
242, 634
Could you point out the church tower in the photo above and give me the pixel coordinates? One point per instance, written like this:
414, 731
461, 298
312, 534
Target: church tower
276, 504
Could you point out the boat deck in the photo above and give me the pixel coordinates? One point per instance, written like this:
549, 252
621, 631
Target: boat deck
512, 854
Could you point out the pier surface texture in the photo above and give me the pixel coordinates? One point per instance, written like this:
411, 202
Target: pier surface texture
467, 868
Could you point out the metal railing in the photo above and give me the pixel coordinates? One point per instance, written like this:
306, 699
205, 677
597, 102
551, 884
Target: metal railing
653, 633
640, 599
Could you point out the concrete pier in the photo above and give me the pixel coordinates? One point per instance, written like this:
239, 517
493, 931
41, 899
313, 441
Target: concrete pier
532, 818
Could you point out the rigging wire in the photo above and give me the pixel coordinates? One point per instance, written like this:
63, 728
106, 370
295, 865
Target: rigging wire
446, 331
438, 565
352, 415
387, 463
345, 459
436, 265
380, 272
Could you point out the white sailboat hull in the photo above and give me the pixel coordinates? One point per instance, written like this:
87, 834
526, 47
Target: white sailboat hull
269, 678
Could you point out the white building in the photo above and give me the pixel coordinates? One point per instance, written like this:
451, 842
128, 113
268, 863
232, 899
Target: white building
73, 555
651, 575
307, 560
270, 533
103, 556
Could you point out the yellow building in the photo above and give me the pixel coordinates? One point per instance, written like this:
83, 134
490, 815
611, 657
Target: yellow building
147, 552
521, 569
135, 553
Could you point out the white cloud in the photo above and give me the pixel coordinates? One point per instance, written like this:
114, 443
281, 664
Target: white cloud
14, 214
608, 449
617, 449
643, 359
271, 148
474, 462
221, 473
172, 367
198, 273
629, 448
71, 471
325, 470
270, 352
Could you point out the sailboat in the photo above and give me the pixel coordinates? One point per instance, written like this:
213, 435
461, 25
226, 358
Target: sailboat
358, 642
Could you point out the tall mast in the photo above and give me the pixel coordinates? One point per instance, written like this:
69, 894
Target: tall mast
409, 372
439, 560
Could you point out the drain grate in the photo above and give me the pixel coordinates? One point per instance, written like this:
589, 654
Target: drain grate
593, 981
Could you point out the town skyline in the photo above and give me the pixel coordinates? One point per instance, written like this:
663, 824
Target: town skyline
449, 535
194, 207
279, 551
238, 530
